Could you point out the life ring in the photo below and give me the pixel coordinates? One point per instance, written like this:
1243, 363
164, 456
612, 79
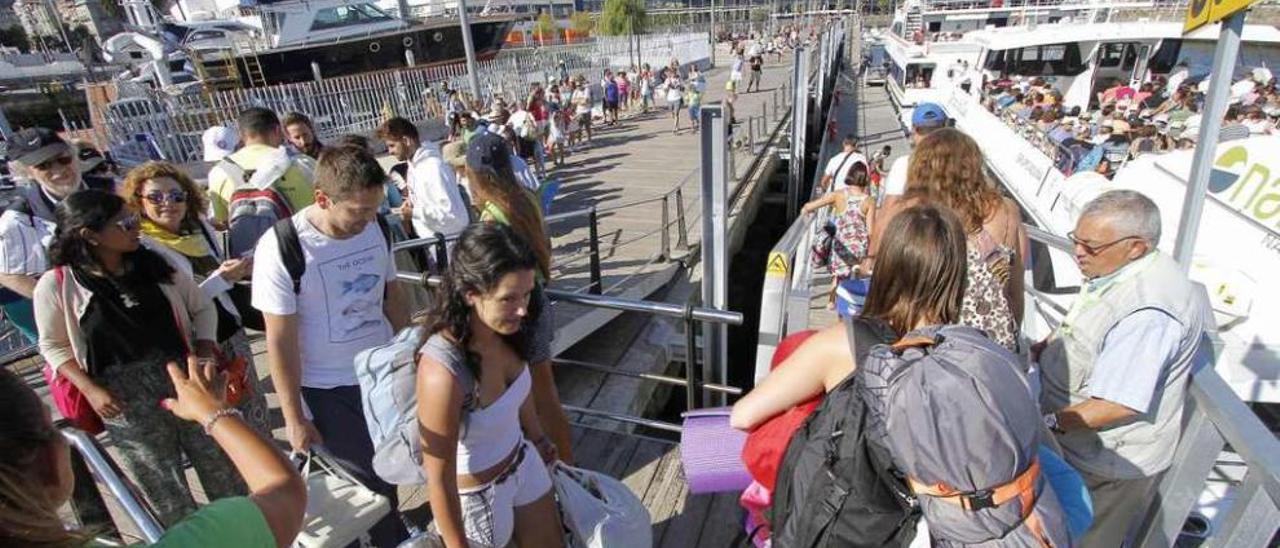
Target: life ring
408, 41
375, 47
438, 36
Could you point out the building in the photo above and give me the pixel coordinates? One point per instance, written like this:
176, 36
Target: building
94, 16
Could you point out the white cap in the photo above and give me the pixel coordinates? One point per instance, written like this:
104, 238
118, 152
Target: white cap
219, 141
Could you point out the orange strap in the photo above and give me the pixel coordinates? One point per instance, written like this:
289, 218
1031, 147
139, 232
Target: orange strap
916, 341
1022, 487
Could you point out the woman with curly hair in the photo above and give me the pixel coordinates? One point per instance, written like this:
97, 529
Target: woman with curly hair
170, 206
946, 168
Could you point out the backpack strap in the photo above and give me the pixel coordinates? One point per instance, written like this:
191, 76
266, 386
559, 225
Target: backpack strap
291, 251
237, 173
1022, 487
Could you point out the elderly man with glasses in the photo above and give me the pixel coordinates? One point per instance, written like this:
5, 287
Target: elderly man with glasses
1115, 372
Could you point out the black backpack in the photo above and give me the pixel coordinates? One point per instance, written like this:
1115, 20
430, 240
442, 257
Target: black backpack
836, 486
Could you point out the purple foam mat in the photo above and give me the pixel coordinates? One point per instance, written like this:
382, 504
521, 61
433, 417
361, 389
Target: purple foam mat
711, 452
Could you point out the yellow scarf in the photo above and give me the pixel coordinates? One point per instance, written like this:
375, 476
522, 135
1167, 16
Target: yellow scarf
191, 245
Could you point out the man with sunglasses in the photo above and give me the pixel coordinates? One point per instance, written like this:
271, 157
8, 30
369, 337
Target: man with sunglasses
27, 224
1115, 372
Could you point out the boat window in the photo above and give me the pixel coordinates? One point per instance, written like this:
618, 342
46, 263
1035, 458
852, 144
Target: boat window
1130, 57
919, 76
1110, 55
205, 35
343, 16
1165, 57
1045, 60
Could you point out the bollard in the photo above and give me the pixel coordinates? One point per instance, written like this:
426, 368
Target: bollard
666, 229
593, 235
681, 233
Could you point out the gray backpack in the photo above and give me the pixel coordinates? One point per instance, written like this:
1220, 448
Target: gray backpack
388, 377
958, 419
252, 209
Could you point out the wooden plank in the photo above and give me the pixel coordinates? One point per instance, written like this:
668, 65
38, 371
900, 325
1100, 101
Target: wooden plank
724, 520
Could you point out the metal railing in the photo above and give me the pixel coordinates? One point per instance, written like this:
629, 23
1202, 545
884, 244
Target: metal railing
689, 313
148, 124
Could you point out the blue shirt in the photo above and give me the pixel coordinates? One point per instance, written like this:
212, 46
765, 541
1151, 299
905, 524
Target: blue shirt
1135, 358
611, 91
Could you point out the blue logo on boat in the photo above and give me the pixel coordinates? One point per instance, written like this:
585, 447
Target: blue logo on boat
1220, 178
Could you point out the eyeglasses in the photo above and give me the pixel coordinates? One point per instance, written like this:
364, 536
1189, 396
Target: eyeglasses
129, 223
48, 164
175, 196
1096, 249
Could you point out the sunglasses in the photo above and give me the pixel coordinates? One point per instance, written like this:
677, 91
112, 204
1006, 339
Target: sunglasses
48, 164
1095, 249
175, 196
129, 223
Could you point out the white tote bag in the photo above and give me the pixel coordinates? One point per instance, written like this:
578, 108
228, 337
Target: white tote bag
340, 509
600, 511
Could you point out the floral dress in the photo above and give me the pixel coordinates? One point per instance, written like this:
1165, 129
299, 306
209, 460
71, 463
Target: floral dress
852, 237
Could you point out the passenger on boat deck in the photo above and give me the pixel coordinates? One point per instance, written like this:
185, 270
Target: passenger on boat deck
434, 203
925, 119
947, 169
1115, 373
302, 136
484, 452
262, 152
344, 302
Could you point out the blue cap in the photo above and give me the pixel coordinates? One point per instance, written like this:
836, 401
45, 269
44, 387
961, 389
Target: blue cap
928, 115
489, 151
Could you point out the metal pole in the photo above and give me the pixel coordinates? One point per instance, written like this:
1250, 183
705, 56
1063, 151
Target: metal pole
715, 262
712, 12
468, 45
799, 108
692, 395
593, 243
666, 228
1215, 105
681, 232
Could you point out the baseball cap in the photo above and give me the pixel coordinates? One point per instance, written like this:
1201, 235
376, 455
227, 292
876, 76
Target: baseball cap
928, 115
33, 146
219, 141
489, 151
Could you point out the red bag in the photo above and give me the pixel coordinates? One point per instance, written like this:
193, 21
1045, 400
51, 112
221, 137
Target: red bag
72, 403
767, 444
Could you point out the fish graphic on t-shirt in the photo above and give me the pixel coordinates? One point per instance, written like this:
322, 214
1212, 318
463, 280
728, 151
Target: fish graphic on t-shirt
363, 283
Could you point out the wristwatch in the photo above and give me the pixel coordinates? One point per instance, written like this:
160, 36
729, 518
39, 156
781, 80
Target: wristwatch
1051, 422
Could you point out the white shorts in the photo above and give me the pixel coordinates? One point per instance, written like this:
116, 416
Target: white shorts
488, 511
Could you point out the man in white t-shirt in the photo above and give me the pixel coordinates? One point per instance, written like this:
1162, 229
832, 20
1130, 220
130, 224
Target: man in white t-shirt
434, 196
839, 165
582, 102
343, 303
926, 118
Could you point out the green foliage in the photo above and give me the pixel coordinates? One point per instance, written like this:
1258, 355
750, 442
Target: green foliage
15, 37
581, 23
622, 17
545, 26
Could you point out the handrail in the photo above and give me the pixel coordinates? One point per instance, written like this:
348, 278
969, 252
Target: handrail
105, 470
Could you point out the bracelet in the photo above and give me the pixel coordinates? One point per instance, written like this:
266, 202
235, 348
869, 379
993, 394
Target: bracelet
214, 417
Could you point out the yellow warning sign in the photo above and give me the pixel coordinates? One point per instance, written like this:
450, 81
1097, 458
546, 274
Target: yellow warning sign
1204, 12
777, 265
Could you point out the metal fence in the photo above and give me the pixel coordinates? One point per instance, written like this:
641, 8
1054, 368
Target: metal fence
146, 124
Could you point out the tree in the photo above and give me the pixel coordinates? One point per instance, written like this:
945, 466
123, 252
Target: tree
622, 17
580, 22
15, 37
545, 27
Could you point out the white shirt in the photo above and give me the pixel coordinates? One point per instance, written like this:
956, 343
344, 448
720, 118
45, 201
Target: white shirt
895, 183
839, 163
339, 307
24, 244
437, 206
582, 100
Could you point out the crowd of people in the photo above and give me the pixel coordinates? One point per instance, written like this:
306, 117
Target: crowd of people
944, 251
1125, 120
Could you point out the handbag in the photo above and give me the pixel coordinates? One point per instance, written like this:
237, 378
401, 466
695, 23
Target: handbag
69, 400
340, 509
599, 511
239, 386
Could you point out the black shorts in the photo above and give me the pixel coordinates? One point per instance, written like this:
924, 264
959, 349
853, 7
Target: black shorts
584, 119
610, 105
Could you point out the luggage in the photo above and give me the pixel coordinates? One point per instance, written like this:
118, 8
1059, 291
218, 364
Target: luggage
835, 487
340, 510
956, 414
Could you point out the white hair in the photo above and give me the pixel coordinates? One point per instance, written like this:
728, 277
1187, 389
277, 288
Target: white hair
1130, 212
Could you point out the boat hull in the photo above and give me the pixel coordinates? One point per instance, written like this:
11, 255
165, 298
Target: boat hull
431, 45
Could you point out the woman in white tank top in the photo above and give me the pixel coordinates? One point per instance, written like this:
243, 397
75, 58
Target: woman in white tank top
484, 451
